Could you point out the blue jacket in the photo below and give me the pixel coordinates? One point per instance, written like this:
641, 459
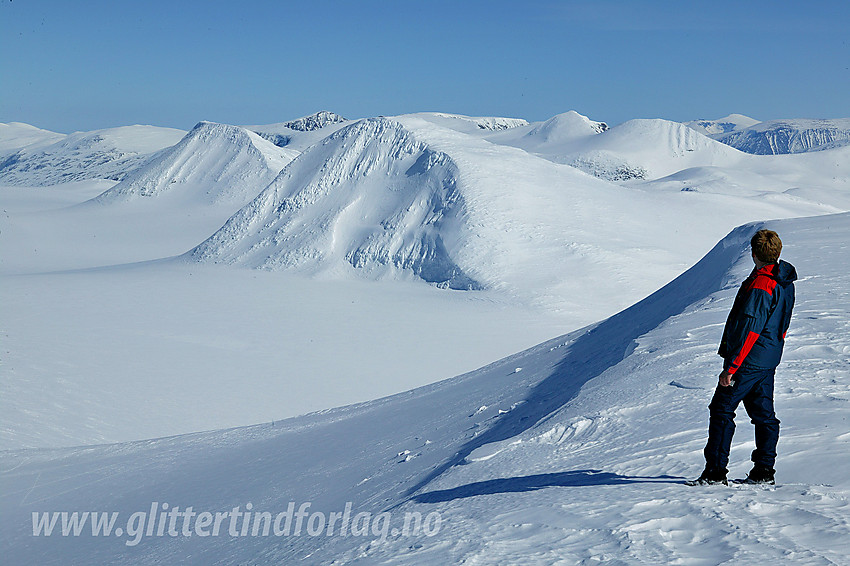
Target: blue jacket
755, 329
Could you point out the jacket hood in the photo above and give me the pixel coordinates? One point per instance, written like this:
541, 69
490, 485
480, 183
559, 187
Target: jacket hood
784, 273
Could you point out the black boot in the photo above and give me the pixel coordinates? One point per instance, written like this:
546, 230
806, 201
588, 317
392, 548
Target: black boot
760, 475
709, 477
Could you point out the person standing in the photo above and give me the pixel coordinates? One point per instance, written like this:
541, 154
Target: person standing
751, 348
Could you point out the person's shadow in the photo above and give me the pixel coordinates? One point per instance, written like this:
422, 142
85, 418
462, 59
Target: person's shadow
576, 478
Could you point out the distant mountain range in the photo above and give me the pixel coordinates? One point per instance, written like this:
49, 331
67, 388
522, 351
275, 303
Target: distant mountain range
775, 136
30, 156
457, 201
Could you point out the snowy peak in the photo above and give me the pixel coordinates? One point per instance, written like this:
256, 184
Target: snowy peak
369, 197
314, 121
730, 123
219, 162
789, 136
553, 139
568, 126
100, 154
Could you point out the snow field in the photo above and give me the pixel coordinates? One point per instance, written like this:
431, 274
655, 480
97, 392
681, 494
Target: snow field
571, 452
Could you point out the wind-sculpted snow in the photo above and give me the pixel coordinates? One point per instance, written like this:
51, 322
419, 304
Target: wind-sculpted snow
101, 154
215, 162
369, 197
789, 136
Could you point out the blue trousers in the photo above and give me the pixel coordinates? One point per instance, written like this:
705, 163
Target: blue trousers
755, 388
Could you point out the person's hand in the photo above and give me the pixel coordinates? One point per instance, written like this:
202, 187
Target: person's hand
725, 379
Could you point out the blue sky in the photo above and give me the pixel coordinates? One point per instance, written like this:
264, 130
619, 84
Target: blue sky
68, 66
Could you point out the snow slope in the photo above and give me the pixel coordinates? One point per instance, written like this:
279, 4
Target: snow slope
572, 451
217, 162
789, 136
100, 154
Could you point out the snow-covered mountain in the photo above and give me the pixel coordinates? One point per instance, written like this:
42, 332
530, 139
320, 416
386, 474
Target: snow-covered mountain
314, 121
16, 136
646, 149
568, 126
415, 195
216, 162
389, 197
552, 138
301, 133
571, 451
101, 154
637, 149
730, 123
369, 195
789, 136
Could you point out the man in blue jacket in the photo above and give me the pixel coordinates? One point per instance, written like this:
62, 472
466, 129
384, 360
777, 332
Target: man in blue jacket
751, 348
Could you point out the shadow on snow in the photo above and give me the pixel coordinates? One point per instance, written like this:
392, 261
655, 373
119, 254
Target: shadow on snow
576, 478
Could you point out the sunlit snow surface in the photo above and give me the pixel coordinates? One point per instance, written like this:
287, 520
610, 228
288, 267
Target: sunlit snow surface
571, 452
578, 457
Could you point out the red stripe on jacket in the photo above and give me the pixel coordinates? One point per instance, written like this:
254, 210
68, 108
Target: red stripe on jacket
742, 355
